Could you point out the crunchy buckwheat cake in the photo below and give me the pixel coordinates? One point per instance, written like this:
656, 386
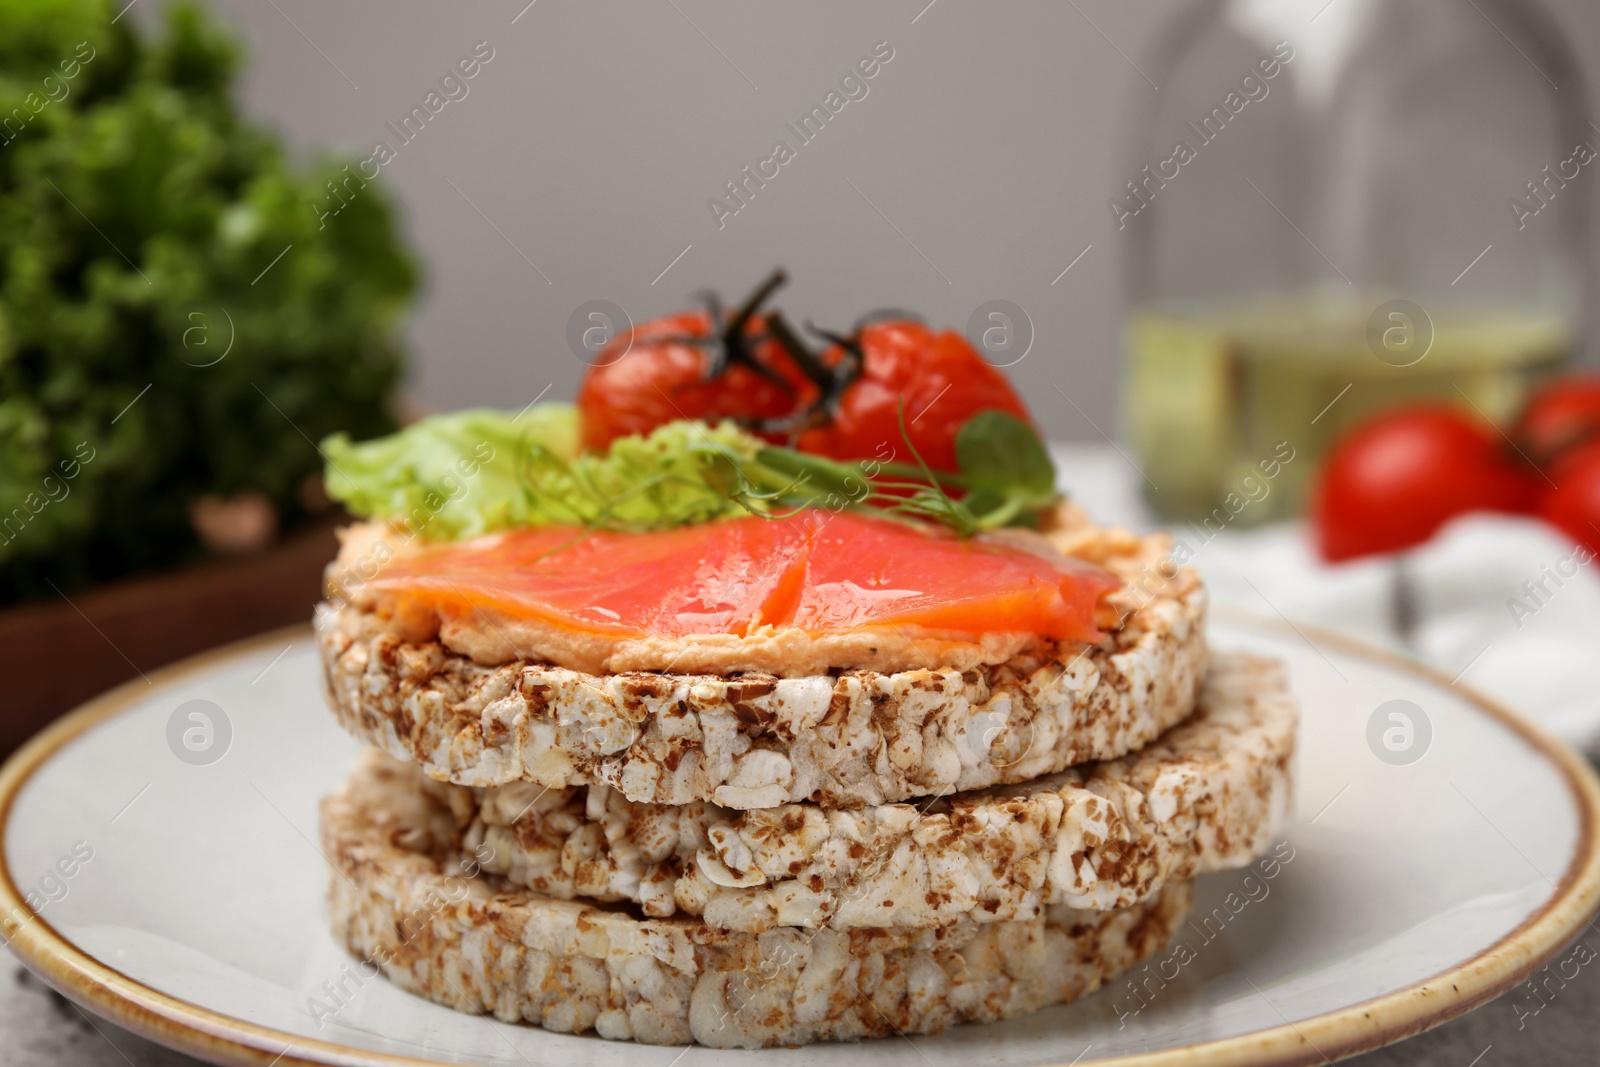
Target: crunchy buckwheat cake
400, 897
1207, 795
751, 739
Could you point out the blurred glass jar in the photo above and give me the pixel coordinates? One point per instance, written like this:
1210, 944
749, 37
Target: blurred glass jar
1334, 211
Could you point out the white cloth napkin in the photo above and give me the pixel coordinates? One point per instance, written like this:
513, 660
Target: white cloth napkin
1504, 604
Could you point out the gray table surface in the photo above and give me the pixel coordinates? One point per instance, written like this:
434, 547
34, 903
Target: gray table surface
40, 1028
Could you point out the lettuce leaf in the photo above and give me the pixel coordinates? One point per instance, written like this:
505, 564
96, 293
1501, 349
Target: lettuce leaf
473, 472
675, 476
450, 476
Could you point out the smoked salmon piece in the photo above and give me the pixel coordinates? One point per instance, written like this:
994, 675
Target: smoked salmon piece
816, 571
877, 572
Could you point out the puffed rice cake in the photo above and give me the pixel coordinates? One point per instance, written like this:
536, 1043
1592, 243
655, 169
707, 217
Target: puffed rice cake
747, 741
1208, 795
400, 898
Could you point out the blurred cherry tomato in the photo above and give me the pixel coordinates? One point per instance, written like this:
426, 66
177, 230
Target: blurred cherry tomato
1572, 505
1393, 481
1562, 415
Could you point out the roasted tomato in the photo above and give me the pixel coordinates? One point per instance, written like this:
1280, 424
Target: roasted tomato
1393, 481
940, 379
692, 365
842, 400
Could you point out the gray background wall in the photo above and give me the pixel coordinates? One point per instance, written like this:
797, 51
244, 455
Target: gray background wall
579, 164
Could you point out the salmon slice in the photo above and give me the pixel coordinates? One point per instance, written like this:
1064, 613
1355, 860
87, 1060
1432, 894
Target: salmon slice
668, 583
865, 572
819, 572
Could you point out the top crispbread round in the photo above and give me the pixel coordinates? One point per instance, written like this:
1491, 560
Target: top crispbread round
1205, 796
748, 740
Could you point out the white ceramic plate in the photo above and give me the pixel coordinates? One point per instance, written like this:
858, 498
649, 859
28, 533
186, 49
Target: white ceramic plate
182, 897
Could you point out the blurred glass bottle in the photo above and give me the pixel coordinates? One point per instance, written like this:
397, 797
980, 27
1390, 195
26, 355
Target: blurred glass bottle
1335, 210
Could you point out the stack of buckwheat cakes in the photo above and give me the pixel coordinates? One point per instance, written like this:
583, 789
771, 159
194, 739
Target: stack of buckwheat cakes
749, 859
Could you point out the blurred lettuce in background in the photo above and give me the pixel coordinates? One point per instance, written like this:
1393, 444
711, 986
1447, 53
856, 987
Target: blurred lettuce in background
138, 212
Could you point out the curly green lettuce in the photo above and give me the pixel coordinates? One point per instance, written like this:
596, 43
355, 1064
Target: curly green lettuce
175, 320
474, 472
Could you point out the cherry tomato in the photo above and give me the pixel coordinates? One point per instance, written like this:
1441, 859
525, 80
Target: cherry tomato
1396, 479
1563, 414
1572, 505
666, 373
939, 377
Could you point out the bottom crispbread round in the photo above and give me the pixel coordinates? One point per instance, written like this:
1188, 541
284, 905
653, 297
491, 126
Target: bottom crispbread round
400, 899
